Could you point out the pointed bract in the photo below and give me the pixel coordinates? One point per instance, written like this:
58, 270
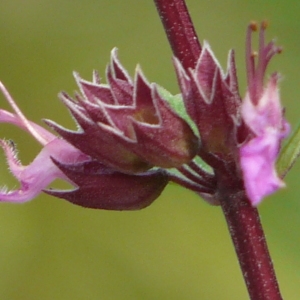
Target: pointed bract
127, 125
213, 102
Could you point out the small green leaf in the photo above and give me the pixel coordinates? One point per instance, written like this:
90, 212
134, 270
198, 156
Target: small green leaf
289, 153
176, 102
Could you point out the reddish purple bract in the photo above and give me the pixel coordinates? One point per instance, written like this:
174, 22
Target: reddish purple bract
129, 137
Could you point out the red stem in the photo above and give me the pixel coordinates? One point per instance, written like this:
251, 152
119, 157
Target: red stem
251, 248
180, 31
242, 219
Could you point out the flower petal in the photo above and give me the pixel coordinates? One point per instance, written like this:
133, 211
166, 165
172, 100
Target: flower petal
8, 117
258, 158
36, 176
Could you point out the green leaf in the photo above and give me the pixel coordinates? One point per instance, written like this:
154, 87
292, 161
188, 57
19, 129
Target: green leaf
176, 102
289, 153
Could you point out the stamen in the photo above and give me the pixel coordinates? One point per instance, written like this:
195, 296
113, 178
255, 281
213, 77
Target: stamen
250, 56
261, 65
257, 62
21, 116
264, 25
272, 51
253, 26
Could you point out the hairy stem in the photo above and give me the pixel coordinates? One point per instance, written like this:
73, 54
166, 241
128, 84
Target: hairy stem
250, 246
180, 31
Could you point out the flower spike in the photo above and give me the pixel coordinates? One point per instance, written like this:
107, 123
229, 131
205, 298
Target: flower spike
127, 127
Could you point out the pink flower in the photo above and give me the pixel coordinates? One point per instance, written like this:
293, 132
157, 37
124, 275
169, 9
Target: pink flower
96, 185
262, 112
41, 171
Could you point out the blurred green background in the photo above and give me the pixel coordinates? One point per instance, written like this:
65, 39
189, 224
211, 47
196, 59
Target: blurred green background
179, 247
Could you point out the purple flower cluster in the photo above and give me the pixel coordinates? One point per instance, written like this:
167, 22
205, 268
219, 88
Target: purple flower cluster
129, 139
125, 129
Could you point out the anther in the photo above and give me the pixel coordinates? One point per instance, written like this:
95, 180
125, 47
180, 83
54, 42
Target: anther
279, 50
253, 26
254, 54
264, 25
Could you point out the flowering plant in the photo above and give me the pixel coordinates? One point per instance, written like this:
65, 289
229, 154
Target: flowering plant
132, 139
